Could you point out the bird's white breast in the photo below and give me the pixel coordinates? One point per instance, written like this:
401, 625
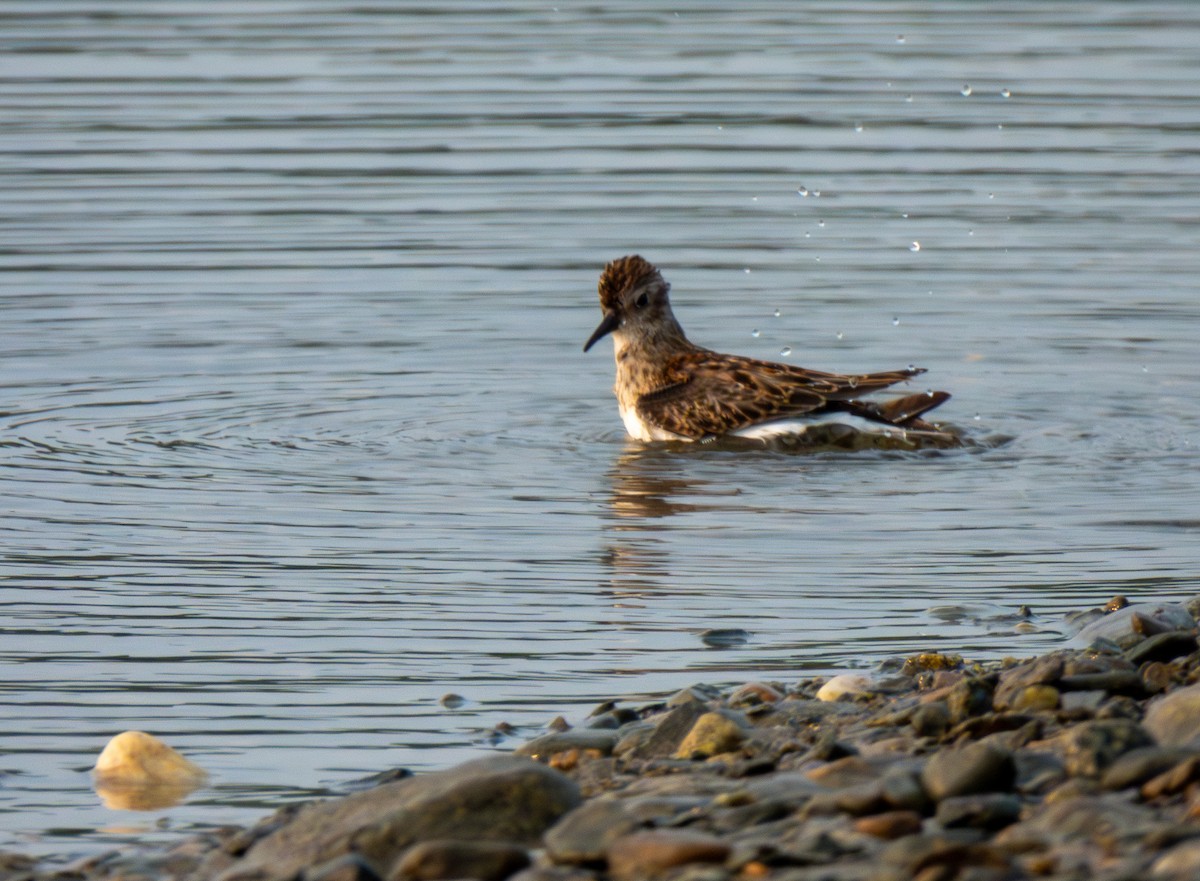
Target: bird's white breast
639, 429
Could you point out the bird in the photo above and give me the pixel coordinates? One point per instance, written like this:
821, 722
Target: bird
670, 389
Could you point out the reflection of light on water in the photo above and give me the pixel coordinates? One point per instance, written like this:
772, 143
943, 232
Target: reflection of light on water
154, 797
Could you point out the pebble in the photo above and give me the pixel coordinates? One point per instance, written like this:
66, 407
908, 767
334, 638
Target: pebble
931, 719
844, 685
889, 824
349, 867
970, 697
440, 860
712, 734
1036, 697
728, 637
652, 854
1180, 862
583, 835
1139, 765
755, 693
976, 767
1090, 748
1173, 780
989, 811
598, 739
1163, 647
1174, 720
671, 728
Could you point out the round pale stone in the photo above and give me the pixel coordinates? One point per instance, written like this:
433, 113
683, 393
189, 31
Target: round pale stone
137, 758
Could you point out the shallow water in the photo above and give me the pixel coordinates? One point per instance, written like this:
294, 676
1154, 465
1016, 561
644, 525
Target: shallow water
297, 436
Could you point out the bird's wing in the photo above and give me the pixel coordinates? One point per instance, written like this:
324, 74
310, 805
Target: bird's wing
709, 395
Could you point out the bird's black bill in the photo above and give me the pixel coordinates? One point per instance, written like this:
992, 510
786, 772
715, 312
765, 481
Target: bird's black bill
610, 323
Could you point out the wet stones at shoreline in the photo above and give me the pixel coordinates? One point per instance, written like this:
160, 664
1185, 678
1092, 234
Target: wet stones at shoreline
1082, 763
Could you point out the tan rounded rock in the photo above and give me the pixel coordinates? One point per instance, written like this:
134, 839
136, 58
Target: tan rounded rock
1036, 697
649, 854
134, 757
138, 772
755, 693
889, 825
844, 685
713, 734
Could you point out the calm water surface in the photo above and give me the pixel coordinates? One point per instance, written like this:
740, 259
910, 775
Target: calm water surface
295, 431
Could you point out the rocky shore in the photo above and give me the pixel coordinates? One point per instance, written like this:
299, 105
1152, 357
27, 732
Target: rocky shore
1080, 764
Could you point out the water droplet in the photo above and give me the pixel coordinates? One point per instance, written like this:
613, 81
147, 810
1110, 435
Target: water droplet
915, 246
777, 313
803, 192
1000, 126
746, 270
1005, 93
908, 99
966, 91
852, 381
905, 215
896, 321
970, 232
978, 417
754, 198
912, 367
808, 235
858, 126
785, 351
1145, 369
755, 333
991, 195
821, 223
900, 38
840, 334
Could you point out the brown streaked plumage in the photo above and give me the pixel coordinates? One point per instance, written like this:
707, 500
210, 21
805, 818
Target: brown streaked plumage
671, 389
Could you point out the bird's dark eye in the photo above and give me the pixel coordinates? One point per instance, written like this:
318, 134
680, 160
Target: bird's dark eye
641, 301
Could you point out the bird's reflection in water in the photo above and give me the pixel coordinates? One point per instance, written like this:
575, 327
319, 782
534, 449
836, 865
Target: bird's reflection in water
648, 485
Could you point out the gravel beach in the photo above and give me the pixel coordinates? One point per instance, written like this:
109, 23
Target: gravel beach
1080, 764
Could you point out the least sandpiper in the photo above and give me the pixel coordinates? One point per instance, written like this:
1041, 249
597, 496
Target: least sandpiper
671, 389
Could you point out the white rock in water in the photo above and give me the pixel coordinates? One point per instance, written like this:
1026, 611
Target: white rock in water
134, 758
845, 683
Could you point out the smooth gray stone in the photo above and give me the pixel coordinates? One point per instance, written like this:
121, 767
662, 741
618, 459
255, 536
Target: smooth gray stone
976, 767
499, 798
